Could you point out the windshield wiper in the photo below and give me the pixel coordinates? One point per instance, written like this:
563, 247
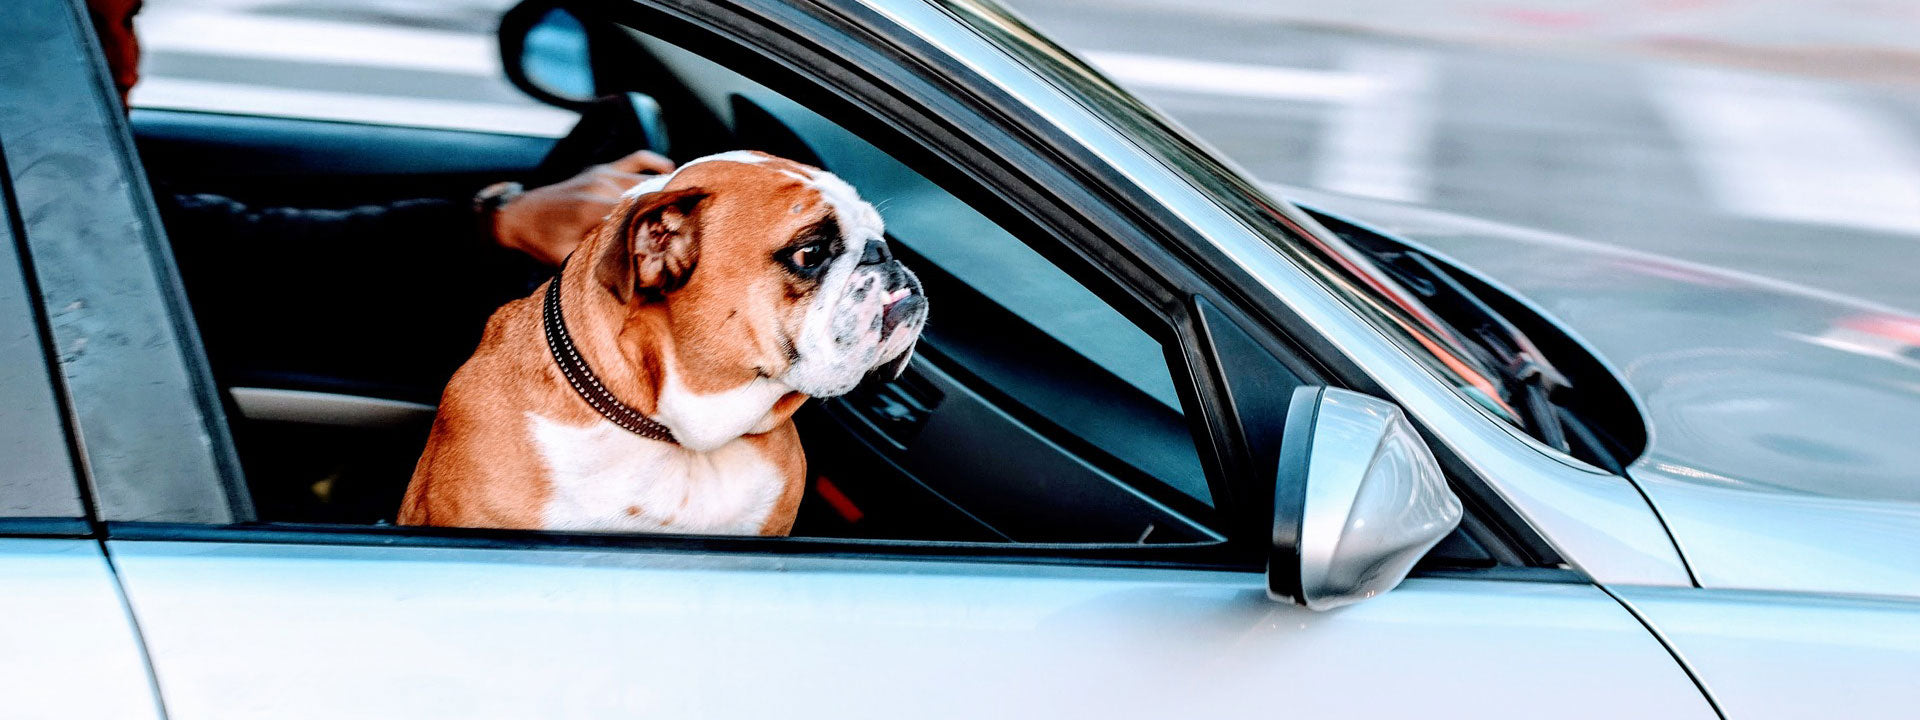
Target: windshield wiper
1503, 347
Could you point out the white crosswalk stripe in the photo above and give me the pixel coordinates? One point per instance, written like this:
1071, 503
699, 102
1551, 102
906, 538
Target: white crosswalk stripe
1782, 149
1379, 145
1266, 82
323, 42
184, 94
240, 36
1379, 124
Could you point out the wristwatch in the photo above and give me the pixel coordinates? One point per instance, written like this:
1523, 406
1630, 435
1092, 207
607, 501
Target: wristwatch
491, 197
489, 200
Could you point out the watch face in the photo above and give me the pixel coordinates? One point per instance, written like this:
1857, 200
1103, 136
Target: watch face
491, 197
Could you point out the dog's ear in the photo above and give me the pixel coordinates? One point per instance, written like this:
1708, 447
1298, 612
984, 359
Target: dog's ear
653, 247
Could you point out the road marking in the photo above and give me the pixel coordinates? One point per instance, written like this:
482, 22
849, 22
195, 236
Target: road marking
1782, 149
1378, 138
1380, 145
1268, 82
319, 41
183, 94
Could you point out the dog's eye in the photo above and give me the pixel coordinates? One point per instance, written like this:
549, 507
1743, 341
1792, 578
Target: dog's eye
809, 257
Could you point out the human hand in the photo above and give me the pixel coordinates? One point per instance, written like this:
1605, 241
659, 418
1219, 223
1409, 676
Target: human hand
547, 222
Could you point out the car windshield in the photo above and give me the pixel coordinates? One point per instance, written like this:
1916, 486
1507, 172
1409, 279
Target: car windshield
1345, 270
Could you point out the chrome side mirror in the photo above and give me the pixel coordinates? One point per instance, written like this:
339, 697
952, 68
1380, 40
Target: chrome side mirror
1359, 499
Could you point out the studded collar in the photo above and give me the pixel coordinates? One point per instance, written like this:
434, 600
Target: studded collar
581, 376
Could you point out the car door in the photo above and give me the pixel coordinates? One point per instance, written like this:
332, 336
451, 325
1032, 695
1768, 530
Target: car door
328, 630
245, 619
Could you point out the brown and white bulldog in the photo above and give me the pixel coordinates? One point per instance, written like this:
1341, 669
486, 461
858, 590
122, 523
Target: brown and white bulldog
693, 322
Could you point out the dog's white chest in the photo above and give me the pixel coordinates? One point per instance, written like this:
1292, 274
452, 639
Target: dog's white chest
607, 479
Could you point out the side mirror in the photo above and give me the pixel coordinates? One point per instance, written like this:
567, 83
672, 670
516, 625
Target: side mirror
1359, 499
543, 49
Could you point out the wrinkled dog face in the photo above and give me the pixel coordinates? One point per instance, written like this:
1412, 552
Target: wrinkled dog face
769, 269
866, 308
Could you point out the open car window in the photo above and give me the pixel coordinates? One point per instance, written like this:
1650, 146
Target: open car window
959, 242
1040, 408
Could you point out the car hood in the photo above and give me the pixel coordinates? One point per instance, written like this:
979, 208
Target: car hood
1784, 422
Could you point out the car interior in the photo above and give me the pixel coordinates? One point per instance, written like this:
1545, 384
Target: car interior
1033, 412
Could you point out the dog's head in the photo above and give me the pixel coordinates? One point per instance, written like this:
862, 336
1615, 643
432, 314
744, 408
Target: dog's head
765, 268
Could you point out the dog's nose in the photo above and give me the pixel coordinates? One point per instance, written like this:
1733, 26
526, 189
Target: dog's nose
876, 253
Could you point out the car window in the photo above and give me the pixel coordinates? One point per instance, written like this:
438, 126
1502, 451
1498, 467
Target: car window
956, 238
1035, 411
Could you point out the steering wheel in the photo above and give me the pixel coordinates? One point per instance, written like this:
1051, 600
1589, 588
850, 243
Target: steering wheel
609, 128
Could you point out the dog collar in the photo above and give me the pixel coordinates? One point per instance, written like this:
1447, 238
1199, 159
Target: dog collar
581, 377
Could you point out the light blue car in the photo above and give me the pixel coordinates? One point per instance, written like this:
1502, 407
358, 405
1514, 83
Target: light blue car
1173, 446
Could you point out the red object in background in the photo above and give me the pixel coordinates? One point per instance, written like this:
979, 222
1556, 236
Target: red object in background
113, 23
838, 500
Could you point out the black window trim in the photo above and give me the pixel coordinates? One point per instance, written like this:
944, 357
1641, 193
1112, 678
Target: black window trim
46, 527
1197, 556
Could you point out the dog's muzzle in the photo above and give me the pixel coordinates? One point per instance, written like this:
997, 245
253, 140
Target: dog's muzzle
906, 305
905, 310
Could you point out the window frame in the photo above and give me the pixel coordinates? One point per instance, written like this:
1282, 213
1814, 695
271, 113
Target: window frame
1242, 297
1148, 247
807, 70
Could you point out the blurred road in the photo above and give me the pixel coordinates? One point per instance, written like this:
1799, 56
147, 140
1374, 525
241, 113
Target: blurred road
1653, 124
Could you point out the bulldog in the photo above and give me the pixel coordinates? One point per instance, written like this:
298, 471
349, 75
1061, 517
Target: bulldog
650, 386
